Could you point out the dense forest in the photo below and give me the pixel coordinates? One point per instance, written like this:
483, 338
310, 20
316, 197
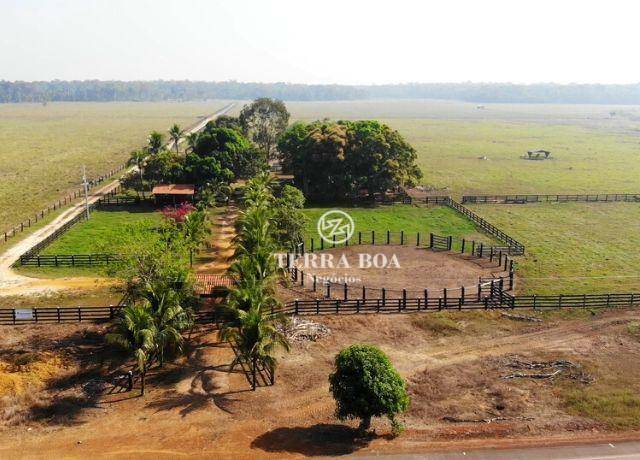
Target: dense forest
160, 90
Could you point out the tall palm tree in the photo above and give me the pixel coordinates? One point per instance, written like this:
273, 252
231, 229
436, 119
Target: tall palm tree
170, 320
155, 141
175, 133
192, 141
135, 331
256, 338
195, 229
137, 159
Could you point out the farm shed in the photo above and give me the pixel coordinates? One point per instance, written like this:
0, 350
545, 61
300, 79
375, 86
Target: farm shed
173, 193
537, 154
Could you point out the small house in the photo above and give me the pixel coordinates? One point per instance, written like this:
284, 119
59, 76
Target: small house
174, 193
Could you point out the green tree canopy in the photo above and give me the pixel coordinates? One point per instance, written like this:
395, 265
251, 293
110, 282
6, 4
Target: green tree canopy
338, 160
365, 385
264, 120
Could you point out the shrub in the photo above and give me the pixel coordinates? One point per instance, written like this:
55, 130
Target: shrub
365, 385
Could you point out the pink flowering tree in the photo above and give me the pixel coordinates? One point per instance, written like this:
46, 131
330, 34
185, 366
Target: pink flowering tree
179, 213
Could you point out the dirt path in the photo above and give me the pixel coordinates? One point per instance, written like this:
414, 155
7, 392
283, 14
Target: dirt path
217, 257
14, 284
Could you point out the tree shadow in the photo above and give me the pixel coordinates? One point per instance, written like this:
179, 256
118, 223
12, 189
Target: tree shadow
316, 440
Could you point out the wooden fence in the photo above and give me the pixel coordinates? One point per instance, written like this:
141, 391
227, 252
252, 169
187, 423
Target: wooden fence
514, 247
526, 199
57, 314
68, 260
57, 205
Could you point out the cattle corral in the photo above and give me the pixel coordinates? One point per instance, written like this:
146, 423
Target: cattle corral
469, 373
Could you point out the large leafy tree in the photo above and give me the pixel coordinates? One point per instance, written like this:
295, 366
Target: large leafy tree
365, 385
338, 160
231, 149
264, 120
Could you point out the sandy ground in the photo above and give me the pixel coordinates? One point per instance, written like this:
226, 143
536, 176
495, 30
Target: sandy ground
218, 254
196, 407
400, 267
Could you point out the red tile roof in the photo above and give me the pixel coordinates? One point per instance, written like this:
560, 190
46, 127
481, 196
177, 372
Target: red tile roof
174, 189
207, 284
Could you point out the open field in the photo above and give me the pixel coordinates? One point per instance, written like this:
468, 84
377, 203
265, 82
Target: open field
454, 363
410, 219
43, 148
103, 231
591, 150
573, 247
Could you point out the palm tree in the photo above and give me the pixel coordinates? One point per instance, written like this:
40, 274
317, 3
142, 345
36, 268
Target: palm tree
192, 141
175, 133
170, 320
135, 331
137, 159
256, 337
155, 141
195, 229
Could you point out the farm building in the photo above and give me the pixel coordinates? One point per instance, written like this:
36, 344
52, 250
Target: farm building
173, 193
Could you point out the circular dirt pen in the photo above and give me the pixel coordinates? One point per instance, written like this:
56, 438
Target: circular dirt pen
419, 268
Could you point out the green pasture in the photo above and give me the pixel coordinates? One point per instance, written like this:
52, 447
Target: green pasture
104, 231
410, 219
573, 247
591, 149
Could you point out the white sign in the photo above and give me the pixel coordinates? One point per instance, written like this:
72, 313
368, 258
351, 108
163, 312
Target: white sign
335, 224
24, 313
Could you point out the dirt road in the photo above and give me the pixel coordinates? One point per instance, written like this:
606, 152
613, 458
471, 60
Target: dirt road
14, 284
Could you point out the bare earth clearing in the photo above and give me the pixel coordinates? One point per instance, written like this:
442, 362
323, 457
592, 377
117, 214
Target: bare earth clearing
417, 268
196, 407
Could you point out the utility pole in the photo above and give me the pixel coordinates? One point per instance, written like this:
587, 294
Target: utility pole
86, 190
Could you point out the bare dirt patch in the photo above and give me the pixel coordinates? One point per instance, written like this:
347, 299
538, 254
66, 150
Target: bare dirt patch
196, 407
417, 268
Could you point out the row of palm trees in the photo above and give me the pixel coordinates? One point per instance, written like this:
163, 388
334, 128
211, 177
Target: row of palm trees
250, 326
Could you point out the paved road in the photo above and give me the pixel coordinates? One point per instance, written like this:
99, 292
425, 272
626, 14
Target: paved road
11, 283
614, 451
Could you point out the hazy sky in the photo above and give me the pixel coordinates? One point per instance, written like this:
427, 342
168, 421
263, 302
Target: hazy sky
322, 41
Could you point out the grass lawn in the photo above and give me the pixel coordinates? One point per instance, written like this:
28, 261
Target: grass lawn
43, 148
102, 231
410, 219
591, 150
573, 247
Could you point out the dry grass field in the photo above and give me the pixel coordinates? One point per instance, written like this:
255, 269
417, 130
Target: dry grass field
43, 148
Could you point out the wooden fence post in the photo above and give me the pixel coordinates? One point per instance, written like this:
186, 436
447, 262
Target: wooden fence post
401, 237
404, 299
463, 244
346, 291
431, 240
384, 297
373, 237
449, 243
359, 237
388, 237
295, 303
445, 297
426, 299
418, 239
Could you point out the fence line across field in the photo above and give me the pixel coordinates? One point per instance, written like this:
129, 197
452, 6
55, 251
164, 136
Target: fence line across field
558, 198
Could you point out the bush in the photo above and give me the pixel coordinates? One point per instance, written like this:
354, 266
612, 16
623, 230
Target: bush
365, 385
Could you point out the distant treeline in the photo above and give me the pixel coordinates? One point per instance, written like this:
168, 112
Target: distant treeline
160, 90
